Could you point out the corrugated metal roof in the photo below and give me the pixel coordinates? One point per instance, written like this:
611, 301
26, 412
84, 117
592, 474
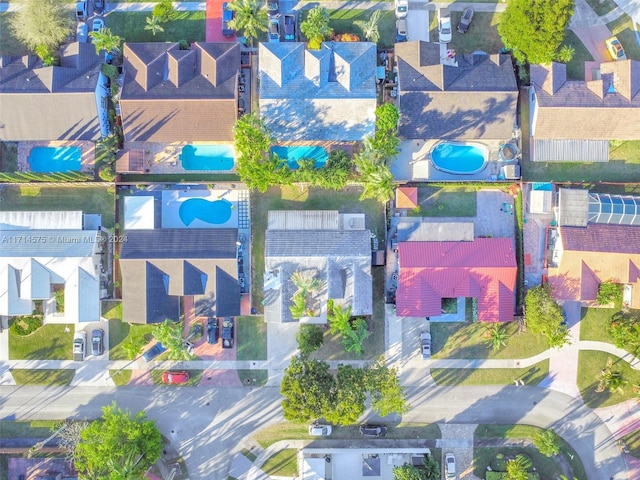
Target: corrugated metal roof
573, 207
47, 243
303, 220
421, 229
558, 150
41, 220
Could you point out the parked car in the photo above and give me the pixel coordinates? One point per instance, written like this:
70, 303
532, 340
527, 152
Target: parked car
98, 6
425, 345
274, 35
153, 352
79, 345
81, 10
290, 33
82, 32
227, 333
212, 331
273, 10
97, 25
175, 378
227, 16
373, 430
614, 47
401, 30
97, 342
402, 8
444, 25
189, 347
465, 20
450, 465
319, 430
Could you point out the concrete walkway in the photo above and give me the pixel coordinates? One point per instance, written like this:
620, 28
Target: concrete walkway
591, 30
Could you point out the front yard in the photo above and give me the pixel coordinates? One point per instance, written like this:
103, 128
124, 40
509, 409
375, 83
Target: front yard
590, 365
575, 68
121, 333
594, 324
623, 29
251, 333
49, 342
482, 35
449, 377
189, 26
44, 377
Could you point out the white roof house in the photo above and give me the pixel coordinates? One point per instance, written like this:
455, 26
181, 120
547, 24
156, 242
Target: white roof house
34, 261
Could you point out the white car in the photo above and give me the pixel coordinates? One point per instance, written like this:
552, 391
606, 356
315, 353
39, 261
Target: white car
319, 430
450, 465
444, 25
402, 8
425, 345
98, 24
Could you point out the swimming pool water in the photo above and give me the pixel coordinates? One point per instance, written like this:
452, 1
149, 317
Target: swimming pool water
207, 157
458, 158
293, 154
55, 159
209, 211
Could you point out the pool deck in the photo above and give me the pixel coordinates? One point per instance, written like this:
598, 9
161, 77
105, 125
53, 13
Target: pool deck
87, 160
164, 158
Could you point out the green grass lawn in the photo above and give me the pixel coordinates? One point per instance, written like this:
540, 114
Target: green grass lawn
284, 463
594, 324
112, 309
194, 378
446, 202
118, 334
253, 378
482, 34
613, 171
49, 342
633, 442
545, 466
575, 68
292, 198
189, 26
251, 334
26, 429
296, 431
88, 198
51, 377
468, 340
448, 377
590, 363
602, 7
623, 29
120, 377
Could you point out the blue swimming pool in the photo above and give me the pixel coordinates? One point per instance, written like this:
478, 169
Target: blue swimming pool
215, 212
460, 158
55, 159
308, 152
207, 157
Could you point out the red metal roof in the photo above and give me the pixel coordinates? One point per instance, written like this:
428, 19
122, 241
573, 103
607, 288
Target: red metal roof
430, 271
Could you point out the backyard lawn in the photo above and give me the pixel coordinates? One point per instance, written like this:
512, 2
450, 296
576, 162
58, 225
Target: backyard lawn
57, 378
49, 342
84, 197
590, 364
189, 26
446, 202
469, 340
448, 377
482, 35
594, 324
623, 29
251, 334
575, 68
616, 170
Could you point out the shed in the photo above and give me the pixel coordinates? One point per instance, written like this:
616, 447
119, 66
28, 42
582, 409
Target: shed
540, 201
139, 212
407, 197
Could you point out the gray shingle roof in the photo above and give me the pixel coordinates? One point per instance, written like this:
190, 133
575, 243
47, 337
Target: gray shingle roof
476, 99
180, 243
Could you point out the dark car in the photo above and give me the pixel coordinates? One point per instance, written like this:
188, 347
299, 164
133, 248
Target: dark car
97, 342
273, 9
227, 16
290, 33
98, 6
373, 430
212, 331
465, 20
227, 333
153, 352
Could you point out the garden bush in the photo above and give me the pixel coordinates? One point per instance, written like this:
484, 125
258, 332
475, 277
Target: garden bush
609, 292
26, 325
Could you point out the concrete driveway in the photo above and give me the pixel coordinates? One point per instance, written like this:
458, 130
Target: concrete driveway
417, 23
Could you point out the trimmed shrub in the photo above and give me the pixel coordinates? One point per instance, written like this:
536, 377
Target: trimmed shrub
26, 325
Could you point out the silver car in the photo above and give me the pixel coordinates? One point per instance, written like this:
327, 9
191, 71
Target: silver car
450, 465
425, 345
319, 430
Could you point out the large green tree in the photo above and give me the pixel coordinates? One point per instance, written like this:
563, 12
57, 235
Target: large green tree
543, 315
106, 40
118, 446
351, 395
316, 26
387, 394
385, 142
624, 327
169, 334
310, 338
375, 176
38, 23
250, 18
534, 29
407, 472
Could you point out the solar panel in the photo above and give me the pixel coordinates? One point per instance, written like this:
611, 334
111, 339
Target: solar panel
614, 209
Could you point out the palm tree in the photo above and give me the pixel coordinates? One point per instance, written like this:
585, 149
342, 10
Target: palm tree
338, 317
517, 468
497, 337
105, 40
298, 307
611, 379
355, 335
370, 27
376, 178
306, 285
250, 18
153, 24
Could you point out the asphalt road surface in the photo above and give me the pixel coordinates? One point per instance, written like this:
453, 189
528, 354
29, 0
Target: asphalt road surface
207, 425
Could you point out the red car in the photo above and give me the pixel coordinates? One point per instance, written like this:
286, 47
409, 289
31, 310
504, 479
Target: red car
175, 378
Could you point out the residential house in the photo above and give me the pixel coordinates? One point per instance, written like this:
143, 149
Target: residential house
473, 99
65, 102
597, 240
45, 252
325, 245
318, 96
573, 120
173, 95
432, 269
171, 272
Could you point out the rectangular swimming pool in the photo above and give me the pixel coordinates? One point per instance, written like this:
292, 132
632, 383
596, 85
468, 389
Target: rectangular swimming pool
55, 159
207, 157
303, 152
